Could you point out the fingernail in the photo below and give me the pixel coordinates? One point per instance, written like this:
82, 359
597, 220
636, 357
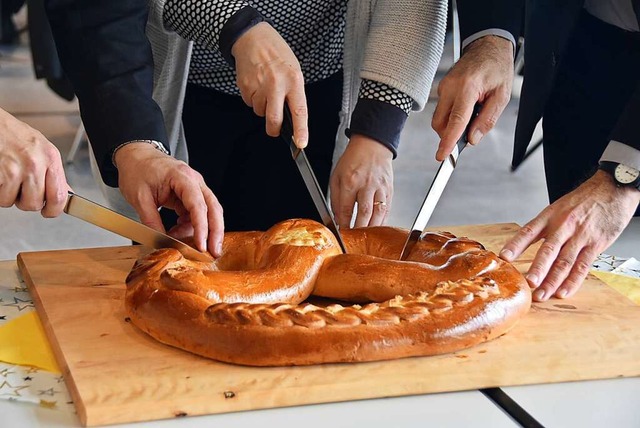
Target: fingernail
219, 248
302, 143
506, 254
440, 155
562, 293
533, 279
539, 294
476, 137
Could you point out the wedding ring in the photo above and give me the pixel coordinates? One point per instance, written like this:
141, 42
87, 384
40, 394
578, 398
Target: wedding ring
381, 203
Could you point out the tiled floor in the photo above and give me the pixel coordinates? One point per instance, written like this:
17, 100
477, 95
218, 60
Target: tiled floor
482, 189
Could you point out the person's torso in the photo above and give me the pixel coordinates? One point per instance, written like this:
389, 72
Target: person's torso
313, 29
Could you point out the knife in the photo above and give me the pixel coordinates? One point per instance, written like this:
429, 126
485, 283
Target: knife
435, 191
302, 162
112, 221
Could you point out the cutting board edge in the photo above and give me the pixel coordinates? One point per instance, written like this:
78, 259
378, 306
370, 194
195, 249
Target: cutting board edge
81, 409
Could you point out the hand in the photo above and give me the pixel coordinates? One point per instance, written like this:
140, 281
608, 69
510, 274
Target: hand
268, 75
363, 175
149, 179
31, 171
483, 74
575, 228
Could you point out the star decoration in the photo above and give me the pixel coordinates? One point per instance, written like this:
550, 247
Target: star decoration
6, 372
6, 389
30, 370
19, 289
3, 317
20, 303
27, 378
49, 391
60, 379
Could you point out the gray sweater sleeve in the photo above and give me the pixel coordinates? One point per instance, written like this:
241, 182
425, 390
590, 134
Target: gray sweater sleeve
404, 45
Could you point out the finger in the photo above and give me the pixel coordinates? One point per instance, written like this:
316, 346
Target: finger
259, 103
441, 113
491, 110
381, 205
547, 256
578, 273
148, 212
365, 207
297, 102
216, 224
526, 235
247, 96
194, 202
457, 121
274, 113
56, 191
345, 200
31, 196
558, 270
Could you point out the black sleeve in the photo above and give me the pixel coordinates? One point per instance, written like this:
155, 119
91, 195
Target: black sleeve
475, 16
105, 53
627, 130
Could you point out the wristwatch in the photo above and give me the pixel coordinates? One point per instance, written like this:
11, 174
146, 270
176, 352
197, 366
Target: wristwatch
622, 174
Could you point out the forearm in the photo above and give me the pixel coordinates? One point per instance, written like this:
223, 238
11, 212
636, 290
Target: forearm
404, 46
105, 53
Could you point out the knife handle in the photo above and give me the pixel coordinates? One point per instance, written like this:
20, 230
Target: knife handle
286, 130
464, 139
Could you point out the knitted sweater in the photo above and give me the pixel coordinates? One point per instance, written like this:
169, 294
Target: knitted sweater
395, 42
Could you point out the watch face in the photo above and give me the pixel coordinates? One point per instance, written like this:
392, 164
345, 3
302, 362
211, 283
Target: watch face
625, 174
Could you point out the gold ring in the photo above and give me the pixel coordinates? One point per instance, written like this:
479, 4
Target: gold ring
381, 203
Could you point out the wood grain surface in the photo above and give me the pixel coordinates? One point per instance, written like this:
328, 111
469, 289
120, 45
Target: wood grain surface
118, 374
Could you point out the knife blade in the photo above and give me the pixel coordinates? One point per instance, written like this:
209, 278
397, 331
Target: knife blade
435, 190
310, 180
103, 217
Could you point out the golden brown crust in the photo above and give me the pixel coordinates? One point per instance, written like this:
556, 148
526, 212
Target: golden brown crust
451, 295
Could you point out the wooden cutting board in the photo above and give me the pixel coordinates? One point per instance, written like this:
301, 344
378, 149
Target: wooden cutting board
117, 374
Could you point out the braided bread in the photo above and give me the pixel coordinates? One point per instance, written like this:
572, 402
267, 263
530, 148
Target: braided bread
253, 306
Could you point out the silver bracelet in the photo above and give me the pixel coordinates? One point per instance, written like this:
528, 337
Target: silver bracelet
158, 145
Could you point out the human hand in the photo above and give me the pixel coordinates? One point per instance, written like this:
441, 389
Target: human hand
31, 172
483, 74
575, 228
149, 179
268, 75
364, 175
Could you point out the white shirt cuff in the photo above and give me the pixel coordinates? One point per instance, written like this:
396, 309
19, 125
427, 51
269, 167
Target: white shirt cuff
621, 153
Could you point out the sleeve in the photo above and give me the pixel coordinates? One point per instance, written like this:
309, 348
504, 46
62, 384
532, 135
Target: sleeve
625, 138
380, 113
401, 56
213, 24
104, 51
502, 18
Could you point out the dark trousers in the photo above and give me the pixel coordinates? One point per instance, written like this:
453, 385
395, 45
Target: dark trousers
253, 175
596, 76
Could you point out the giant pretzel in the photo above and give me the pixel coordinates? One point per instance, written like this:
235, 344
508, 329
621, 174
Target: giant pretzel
248, 307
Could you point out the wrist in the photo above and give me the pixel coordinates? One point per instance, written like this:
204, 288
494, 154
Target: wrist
371, 145
494, 43
630, 192
134, 147
250, 38
236, 27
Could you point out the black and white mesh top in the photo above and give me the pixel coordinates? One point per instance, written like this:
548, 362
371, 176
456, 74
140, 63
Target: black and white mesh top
315, 32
